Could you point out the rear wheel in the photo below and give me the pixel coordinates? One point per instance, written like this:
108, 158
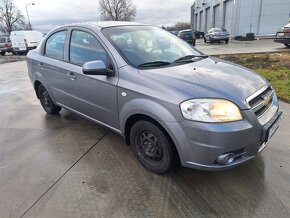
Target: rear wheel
152, 147
3, 53
46, 101
287, 45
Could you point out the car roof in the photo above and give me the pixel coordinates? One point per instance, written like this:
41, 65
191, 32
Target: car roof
218, 28
105, 24
185, 30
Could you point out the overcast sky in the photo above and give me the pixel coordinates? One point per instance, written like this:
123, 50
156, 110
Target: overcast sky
47, 14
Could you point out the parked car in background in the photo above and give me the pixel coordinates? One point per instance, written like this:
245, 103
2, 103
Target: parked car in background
198, 34
217, 35
174, 32
188, 36
283, 35
24, 41
5, 45
168, 100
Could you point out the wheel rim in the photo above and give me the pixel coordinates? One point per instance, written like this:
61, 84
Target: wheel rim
45, 99
149, 147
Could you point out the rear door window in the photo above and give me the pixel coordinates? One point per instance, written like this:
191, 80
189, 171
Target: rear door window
84, 47
54, 47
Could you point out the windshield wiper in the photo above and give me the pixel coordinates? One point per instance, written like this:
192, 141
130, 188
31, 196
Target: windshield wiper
189, 58
154, 64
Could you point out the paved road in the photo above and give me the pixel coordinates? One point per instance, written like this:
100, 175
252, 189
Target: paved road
8, 58
65, 166
237, 47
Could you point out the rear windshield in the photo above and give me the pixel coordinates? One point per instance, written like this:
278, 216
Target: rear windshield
218, 30
187, 33
2, 40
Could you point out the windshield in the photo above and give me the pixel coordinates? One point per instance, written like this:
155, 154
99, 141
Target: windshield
149, 46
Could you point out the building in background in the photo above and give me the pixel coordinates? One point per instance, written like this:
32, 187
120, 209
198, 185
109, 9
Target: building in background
240, 17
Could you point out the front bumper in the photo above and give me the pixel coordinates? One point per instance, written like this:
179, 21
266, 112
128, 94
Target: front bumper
199, 144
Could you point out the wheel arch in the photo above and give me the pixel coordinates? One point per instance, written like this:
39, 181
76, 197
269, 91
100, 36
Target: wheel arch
140, 117
37, 83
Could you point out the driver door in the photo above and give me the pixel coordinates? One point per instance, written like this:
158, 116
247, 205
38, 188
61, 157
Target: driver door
92, 96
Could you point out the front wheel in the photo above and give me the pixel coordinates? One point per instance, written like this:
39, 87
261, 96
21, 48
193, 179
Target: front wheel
46, 101
3, 53
227, 41
152, 147
287, 45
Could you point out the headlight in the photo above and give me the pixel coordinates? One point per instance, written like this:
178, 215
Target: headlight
210, 110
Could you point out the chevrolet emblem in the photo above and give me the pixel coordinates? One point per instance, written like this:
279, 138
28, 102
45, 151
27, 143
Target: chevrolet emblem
266, 100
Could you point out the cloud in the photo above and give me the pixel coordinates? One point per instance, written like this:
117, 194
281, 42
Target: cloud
47, 14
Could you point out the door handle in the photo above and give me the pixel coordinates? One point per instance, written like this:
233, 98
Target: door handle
42, 66
71, 75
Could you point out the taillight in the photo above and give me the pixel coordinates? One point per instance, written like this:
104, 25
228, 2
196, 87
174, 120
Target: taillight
7, 45
287, 30
25, 41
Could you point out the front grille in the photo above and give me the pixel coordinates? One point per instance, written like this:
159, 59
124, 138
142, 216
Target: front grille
262, 102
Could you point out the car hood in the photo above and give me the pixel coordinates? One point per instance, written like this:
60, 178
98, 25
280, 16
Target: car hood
210, 78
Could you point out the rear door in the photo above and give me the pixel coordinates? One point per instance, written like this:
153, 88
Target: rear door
93, 96
52, 67
18, 43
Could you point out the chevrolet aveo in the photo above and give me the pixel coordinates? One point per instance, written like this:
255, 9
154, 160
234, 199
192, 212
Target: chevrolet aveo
171, 103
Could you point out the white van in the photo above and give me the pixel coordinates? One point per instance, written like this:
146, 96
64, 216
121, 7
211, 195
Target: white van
24, 41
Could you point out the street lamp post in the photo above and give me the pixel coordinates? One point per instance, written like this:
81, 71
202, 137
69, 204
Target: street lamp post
29, 24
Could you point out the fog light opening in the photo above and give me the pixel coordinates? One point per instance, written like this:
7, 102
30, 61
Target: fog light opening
226, 158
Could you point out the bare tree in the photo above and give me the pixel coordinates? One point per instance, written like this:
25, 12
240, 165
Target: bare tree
117, 10
182, 26
10, 17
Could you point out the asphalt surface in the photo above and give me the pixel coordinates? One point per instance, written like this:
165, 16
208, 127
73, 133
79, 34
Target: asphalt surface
65, 166
240, 47
9, 58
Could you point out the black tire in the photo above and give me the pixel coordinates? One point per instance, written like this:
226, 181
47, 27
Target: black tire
152, 147
227, 41
287, 45
46, 101
210, 40
3, 53
204, 39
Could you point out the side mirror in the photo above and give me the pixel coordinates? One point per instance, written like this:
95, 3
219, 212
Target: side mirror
97, 68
